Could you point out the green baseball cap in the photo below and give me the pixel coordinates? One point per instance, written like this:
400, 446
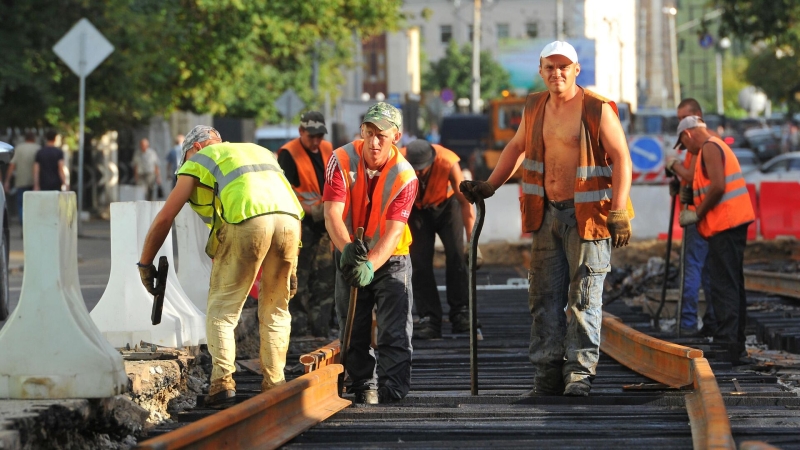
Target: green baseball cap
384, 116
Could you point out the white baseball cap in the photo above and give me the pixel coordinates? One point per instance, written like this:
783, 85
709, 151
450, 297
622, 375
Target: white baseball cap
688, 123
560, 48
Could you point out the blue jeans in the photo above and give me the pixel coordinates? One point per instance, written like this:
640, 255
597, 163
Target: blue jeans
20, 191
390, 291
565, 300
695, 273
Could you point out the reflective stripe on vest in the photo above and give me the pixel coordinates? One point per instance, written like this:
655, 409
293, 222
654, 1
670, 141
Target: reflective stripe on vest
308, 192
734, 207
397, 173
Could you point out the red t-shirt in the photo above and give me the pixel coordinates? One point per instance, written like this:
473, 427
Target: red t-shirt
336, 191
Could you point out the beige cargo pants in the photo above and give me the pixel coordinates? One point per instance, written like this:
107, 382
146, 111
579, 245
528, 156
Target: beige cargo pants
270, 242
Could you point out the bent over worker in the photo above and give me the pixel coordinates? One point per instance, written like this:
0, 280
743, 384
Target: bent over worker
370, 184
576, 207
255, 219
722, 213
303, 161
440, 208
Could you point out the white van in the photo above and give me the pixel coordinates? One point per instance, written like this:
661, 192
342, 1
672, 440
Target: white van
274, 136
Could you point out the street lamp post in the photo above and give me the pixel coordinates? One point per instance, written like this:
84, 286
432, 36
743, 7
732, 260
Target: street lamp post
673, 44
724, 44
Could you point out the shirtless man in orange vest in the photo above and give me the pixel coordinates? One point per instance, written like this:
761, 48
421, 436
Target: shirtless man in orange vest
576, 207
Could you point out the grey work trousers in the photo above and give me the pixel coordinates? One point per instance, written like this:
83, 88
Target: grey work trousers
565, 300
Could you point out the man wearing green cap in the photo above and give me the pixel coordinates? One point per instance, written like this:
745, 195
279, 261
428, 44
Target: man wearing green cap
369, 184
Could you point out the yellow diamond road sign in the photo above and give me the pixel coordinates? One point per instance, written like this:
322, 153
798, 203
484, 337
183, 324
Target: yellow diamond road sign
83, 48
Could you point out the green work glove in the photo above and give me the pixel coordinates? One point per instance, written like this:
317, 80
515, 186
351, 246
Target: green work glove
353, 254
360, 275
148, 274
619, 226
476, 190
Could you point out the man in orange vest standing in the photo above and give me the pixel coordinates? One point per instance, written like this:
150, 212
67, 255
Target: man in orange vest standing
303, 161
440, 208
369, 184
576, 207
722, 213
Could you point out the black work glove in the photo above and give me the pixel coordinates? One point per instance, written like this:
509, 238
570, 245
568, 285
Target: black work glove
674, 187
476, 190
148, 274
687, 196
354, 254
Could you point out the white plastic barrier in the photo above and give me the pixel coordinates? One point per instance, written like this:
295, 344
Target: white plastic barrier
194, 266
50, 348
123, 312
651, 204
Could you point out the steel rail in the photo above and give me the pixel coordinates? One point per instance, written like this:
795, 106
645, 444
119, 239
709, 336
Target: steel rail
772, 282
267, 420
321, 357
676, 366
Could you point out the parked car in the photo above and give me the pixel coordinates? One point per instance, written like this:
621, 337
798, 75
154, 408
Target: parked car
748, 161
6, 153
274, 136
763, 142
784, 167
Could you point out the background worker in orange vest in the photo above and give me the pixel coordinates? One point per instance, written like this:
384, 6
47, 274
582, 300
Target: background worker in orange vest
576, 207
440, 208
722, 213
695, 269
370, 184
303, 161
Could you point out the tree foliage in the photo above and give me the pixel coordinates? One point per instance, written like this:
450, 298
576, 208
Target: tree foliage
226, 57
454, 71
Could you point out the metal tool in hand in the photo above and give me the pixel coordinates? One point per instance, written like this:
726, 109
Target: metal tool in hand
656, 320
348, 326
473, 297
681, 276
160, 288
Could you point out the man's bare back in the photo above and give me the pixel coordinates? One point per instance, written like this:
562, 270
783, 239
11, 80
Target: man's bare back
562, 144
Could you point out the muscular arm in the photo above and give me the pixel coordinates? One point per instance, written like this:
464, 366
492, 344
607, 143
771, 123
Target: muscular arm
510, 158
467, 214
335, 225
613, 140
715, 166
163, 221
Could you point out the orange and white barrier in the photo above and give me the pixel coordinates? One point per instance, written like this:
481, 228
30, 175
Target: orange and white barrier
123, 312
50, 348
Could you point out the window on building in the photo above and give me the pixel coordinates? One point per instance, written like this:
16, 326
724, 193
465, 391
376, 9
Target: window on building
532, 29
503, 31
446, 33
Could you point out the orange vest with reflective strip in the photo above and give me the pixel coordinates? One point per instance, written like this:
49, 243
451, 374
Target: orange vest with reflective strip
438, 187
309, 192
734, 208
592, 178
395, 175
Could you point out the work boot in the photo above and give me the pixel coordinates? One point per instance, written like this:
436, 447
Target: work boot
367, 397
577, 389
460, 323
425, 329
220, 400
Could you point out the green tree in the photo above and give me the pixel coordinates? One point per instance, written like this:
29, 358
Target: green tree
454, 71
226, 57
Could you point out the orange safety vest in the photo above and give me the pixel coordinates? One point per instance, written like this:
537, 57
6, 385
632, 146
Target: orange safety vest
734, 208
438, 188
592, 178
687, 163
395, 175
309, 192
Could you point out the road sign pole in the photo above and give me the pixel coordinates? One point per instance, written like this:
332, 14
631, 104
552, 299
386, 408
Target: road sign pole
82, 115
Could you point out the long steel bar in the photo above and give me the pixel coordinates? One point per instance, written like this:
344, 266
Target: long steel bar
772, 282
321, 357
708, 417
473, 296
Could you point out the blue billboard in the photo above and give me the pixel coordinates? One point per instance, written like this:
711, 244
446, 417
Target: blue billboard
520, 57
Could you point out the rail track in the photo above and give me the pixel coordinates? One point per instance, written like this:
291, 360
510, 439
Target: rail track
649, 393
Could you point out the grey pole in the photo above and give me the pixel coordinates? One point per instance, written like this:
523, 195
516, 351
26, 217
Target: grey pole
81, 113
476, 58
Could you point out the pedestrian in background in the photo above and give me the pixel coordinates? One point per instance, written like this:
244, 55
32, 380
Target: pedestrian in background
146, 171
21, 166
48, 167
439, 209
723, 211
303, 161
695, 268
576, 207
172, 159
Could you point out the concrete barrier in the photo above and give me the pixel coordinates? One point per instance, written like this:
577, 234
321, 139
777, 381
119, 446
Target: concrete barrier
651, 204
194, 266
50, 348
123, 312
